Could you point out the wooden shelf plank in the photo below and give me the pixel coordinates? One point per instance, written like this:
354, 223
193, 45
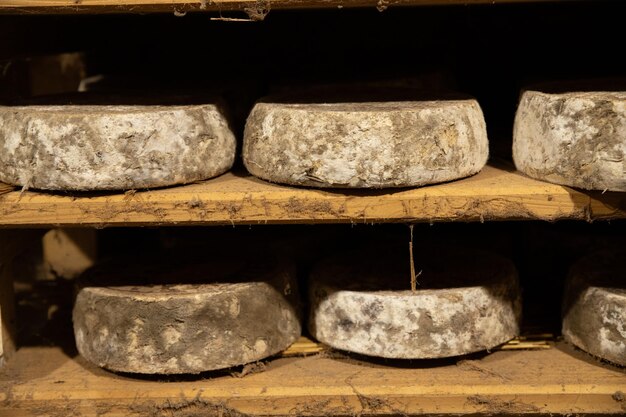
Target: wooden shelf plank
143, 6
47, 381
496, 193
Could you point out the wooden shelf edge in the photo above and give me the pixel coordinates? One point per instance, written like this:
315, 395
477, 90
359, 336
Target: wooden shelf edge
496, 193
556, 380
256, 9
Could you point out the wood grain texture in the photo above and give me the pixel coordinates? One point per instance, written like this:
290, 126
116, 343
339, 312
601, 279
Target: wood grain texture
6, 188
235, 198
496, 193
256, 7
46, 381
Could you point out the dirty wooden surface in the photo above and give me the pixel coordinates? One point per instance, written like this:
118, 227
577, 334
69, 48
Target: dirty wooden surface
496, 193
256, 9
48, 381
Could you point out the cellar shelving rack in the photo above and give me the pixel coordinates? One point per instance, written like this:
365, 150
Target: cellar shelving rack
47, 380
548, 379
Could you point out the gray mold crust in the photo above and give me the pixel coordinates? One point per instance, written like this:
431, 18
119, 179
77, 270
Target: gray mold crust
594, 316
106, 147
187, 328
575, 139
469, 308
365, 145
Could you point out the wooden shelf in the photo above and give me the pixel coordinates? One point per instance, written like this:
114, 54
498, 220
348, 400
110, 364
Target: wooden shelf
496, 193
257, 8
46, 381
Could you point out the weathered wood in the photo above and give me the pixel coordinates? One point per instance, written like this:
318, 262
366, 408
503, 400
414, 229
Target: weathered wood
256, 9
496, 193
46, 381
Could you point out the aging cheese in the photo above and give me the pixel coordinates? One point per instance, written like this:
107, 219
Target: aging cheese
192, 318
113, 147
576, 138
594, 313
465, 301
365, 144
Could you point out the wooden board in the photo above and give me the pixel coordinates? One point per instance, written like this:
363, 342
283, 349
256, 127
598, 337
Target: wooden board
257, 8
46, 381
496, 193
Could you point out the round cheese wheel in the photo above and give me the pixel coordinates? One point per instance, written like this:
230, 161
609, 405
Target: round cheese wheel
365, 144
575, 138
112, 146
192, 318
594, 313
465, 301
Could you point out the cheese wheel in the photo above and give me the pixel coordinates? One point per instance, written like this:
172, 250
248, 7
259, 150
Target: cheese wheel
594, 313
193, 318
466, 301
575, 138
364, 144
86, 147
